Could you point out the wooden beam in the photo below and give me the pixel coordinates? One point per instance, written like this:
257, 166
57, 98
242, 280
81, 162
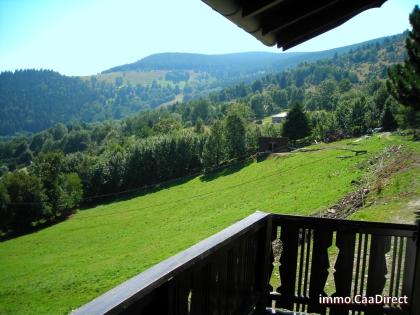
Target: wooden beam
253, 8
394, 229
292, 13
321, 22
298, 39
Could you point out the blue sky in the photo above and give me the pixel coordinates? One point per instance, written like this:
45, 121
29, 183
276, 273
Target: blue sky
81, 37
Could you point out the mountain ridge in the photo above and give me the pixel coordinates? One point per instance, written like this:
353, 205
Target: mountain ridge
233, 61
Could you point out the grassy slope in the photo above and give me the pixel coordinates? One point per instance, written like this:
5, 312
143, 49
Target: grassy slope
399, 198
64, 266
133, 77
397, 202
141, 77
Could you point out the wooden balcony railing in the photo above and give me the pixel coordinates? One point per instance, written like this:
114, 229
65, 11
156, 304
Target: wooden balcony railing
230, 272
361, 258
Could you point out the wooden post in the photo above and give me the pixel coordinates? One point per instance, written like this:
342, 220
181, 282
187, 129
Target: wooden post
266, 268
415, 297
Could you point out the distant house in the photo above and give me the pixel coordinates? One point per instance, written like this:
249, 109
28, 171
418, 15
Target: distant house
278, 118
273, 144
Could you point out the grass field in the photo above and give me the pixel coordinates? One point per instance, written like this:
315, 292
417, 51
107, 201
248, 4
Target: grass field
134, 77
62, 267
141, 77
397, 202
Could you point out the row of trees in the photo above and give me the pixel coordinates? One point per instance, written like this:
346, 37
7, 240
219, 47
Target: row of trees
54, 183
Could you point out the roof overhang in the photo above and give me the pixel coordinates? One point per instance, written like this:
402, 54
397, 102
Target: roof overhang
287, 23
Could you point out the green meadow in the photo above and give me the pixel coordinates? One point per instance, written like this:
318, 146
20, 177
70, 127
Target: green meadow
57, 269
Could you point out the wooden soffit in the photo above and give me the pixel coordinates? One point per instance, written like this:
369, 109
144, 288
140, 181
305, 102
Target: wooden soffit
287, 23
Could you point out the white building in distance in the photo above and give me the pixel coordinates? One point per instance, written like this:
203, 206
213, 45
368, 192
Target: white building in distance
278, 118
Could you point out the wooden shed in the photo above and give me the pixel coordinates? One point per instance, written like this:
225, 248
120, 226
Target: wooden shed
273, 144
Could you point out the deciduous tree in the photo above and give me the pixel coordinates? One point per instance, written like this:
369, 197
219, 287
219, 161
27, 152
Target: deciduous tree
25, 198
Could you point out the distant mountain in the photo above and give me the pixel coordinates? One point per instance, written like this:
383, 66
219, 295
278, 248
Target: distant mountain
228, 64
238, 62
34, 100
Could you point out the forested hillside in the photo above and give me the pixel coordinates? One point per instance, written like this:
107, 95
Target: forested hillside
33, 100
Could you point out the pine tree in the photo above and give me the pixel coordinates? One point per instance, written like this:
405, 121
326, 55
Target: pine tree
214, 151
296, 125
235, 135
404, 80
388, 121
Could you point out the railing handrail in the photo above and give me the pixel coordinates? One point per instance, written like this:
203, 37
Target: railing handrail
395, 229
370, 257
135, 288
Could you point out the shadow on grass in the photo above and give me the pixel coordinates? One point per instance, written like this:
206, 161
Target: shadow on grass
91, 202
134, 193
35, 228
262, 156
225, 170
